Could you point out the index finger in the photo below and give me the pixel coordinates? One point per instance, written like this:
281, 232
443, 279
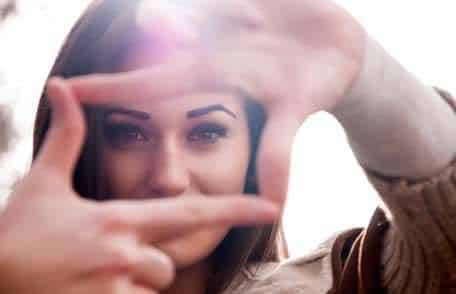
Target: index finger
163, 81
161, 219
65, 138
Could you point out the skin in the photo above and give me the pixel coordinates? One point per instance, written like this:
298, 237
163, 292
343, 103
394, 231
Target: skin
172, 155
111, 251
268, 49
195, 144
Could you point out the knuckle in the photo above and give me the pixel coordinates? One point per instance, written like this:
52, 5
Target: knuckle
111, 220
236, 204
239, 208
120, 260
195, 212
117, 286
167, 272
74, 129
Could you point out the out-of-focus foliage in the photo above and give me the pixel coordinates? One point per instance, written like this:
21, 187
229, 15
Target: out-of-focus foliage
7, 7
5, 128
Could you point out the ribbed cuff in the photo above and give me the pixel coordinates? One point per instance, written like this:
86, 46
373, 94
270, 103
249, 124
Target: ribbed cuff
419, 251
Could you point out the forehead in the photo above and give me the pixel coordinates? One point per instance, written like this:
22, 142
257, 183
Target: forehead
182, 107
146, 57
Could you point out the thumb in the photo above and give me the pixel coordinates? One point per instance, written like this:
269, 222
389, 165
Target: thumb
274, 158
65, 137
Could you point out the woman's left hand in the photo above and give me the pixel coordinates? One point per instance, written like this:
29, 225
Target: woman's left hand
295, 57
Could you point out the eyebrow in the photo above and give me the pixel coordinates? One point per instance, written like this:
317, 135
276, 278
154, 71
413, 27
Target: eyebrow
206, 110
133, 113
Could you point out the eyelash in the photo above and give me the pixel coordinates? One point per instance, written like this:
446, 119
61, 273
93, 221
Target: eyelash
125, 134
207, 133
115, 133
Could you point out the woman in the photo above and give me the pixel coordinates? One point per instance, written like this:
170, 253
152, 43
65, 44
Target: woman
201, 123
342, 77
197, 132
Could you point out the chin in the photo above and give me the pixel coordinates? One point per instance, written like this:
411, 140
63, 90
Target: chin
194, 247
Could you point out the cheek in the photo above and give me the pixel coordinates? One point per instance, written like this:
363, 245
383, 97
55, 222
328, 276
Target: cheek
124, 171
223, 170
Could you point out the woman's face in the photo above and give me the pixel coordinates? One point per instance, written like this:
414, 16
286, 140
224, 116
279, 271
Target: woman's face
177, 147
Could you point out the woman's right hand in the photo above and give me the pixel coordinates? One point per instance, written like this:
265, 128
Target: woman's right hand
53, 241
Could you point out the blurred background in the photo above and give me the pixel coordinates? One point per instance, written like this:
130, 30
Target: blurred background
328, 190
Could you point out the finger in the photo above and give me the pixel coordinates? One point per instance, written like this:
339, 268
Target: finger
192, 246
124, 258
274, 155
66, 134
141, 290
155, 269
167, 22
127, 286
160, 219
182, 76
234, 13
109, 284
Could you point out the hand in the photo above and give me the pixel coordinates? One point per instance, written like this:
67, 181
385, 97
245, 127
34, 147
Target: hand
52, 240
296, 57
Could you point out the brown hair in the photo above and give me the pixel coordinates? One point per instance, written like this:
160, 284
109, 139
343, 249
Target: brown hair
97, 43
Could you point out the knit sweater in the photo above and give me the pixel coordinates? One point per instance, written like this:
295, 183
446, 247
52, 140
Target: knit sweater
408, 247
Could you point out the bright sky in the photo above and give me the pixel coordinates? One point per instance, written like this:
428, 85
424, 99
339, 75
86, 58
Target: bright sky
328, 190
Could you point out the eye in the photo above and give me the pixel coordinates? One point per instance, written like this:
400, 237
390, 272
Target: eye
208, 133
124, 134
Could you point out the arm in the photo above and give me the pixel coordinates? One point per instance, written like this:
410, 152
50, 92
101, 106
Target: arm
407, 137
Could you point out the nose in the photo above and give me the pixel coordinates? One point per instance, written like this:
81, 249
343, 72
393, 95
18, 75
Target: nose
168, 175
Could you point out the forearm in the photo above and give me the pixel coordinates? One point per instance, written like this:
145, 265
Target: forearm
403, 130
407, 129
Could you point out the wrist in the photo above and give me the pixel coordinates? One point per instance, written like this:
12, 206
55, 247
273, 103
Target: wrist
370, 79
395, 124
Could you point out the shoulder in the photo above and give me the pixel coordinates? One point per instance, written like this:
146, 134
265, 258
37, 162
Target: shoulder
309, 274
339, 265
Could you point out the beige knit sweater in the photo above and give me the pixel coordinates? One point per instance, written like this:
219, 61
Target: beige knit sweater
411, 250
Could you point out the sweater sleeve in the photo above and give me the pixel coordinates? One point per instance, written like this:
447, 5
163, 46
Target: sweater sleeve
410, 245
